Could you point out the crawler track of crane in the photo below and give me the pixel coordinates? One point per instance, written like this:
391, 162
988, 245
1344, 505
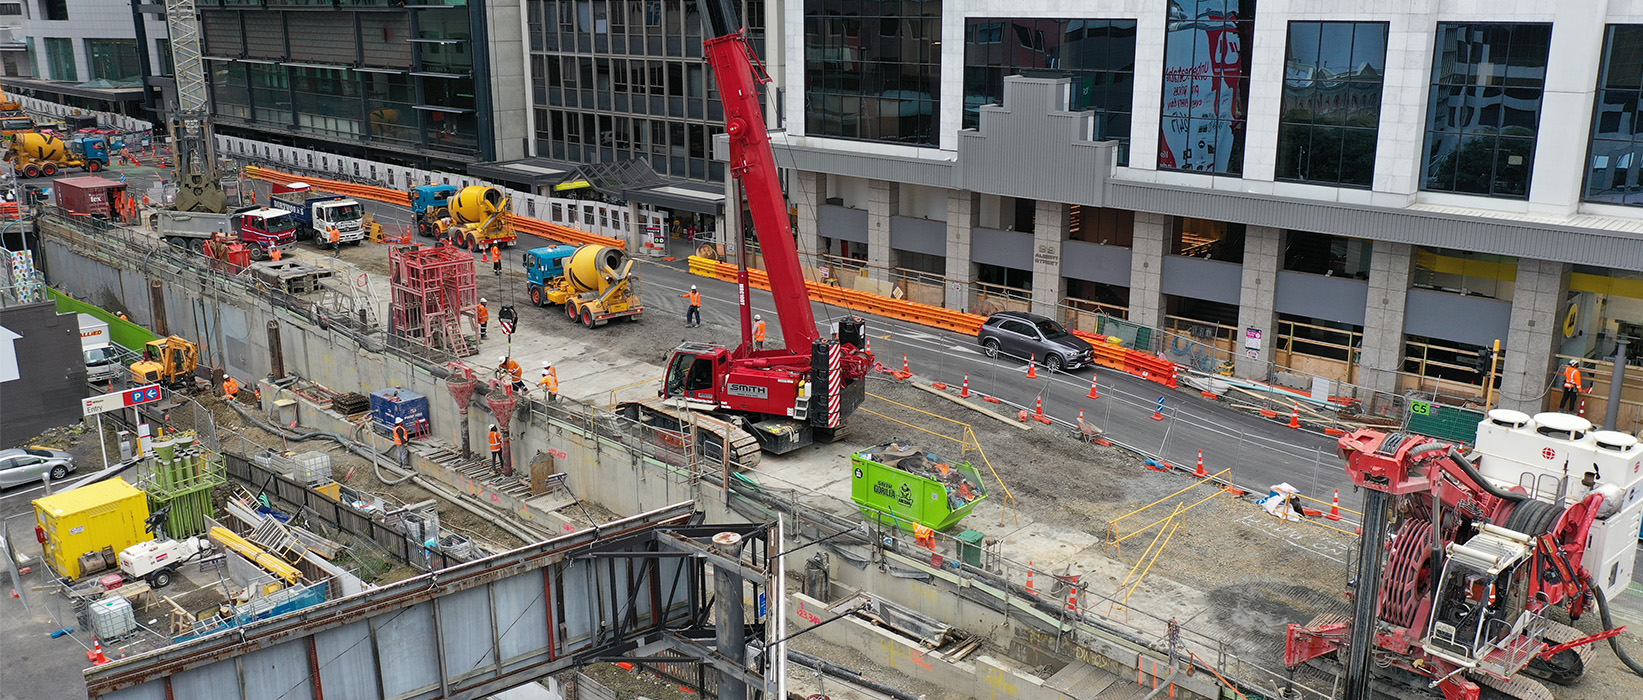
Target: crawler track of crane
712, 434
1521, 687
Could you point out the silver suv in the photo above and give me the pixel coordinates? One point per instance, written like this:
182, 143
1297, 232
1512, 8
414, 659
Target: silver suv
1024, 335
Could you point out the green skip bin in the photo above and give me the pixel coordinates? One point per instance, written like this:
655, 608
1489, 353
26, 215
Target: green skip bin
904, 485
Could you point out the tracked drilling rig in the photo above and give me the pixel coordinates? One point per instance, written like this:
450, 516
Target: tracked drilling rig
1464, 558
199, 188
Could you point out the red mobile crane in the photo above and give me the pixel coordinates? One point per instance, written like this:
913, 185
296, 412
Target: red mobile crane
1458, 569
778, 399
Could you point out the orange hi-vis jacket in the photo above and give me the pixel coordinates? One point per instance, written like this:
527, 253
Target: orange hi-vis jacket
401, 435
694, 297
484, 314
512, 368
496, 441
1571, 377
496, 254
758, 331
550, 381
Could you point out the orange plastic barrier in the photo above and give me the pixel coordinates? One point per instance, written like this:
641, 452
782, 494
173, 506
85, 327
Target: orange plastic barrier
545, 229
1140, 364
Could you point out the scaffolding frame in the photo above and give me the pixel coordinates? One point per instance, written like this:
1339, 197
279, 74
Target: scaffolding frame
434, 290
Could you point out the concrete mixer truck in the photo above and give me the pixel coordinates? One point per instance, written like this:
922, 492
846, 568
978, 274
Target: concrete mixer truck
34, 154
595, 283
479, 218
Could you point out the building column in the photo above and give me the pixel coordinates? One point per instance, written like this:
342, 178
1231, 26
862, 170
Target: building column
1258, 300
1147, 269
636, 229
1050, 221
963, 216
883, 201
809, 191
1380, 358
1531, 347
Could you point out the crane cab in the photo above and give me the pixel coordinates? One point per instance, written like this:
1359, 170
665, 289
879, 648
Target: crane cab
691, 370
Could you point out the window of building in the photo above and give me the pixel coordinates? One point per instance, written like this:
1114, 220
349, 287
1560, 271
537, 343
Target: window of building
1008, 277
1484, 109
270, 93
1097, 54
229, 90
54, 10
11, 8
113, 59
1323, 254
1206, 88
1115, 227
1211, 240
1612, 173
873, 73
1465, 272
60, 56
162, 49
1332, 102
327, 101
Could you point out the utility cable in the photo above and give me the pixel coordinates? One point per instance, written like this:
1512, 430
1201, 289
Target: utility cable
1608, 624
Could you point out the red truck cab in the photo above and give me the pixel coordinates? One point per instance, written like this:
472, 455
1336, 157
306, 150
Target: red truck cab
263, 227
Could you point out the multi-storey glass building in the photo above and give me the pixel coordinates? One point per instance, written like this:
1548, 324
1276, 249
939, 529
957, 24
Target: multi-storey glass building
81, 53
1371, 195
430, 83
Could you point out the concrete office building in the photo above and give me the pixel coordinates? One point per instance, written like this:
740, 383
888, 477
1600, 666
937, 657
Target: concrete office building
1368, 194
436, 84
82, 53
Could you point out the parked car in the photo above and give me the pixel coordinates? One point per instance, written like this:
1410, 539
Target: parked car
25, 465
1024, 335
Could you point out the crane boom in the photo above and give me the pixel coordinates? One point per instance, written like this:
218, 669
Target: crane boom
754, 163
198, 186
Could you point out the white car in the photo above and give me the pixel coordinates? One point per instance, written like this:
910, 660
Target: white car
26, 465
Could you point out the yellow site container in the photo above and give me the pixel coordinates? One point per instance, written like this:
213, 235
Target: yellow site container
89, 518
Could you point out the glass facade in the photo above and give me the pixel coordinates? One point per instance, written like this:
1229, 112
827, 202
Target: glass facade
403, 80
1484, 109
113, 59
1206, 85
60, 56
1617, 138
872, 70
616, 80
1331, 110
1098, 54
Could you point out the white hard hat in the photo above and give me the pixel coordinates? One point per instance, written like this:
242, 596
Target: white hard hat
504, 358
693, 286
1573, 363
546, 365
482, 300
493, 426
398, 419
757, 317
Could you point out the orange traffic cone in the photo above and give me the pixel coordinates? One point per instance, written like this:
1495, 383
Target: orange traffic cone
1582, 413
1038, 408
1093, 393
1030, 590
1295, 418
95, 656
965, 392
905, 367
1032, 367
1335, 507
869, 347
1200, 473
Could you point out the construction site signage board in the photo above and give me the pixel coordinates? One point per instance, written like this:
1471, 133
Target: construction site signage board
121, 399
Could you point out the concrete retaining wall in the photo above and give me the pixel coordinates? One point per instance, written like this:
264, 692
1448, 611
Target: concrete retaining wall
231, 325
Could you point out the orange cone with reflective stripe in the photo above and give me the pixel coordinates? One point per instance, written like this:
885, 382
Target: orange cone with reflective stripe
1335, 507
1201, 473
965, 392
1093, 393
1295, 418
1032, 367
1030, 590
96, 656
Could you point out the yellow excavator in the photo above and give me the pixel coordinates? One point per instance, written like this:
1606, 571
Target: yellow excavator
168, 361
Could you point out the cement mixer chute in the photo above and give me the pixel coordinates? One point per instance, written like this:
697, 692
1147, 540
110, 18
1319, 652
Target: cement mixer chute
595, 283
